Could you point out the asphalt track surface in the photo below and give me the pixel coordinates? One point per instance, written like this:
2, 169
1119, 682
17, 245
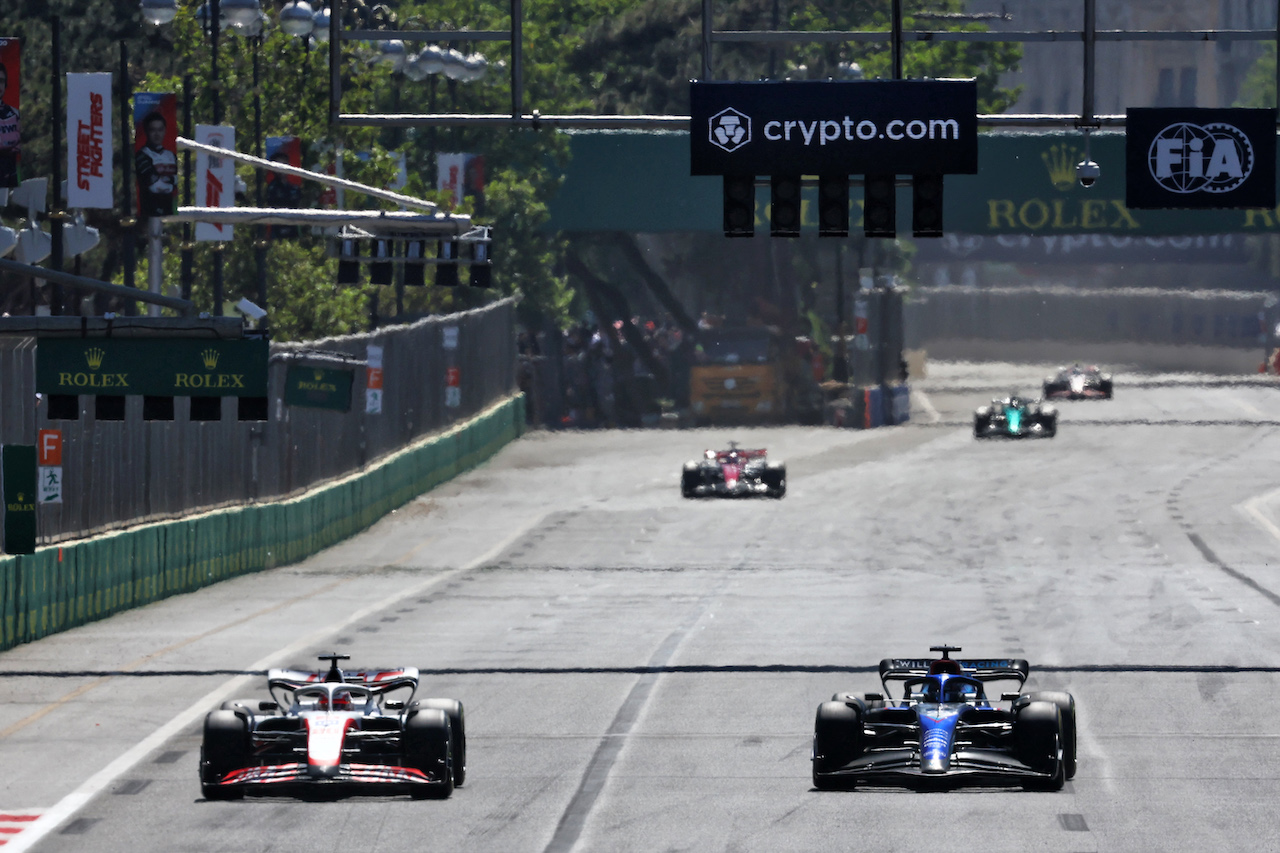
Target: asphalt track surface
640, 672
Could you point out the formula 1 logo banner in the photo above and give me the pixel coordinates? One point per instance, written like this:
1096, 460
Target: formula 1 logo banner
1200, 158
900, 127
215, 178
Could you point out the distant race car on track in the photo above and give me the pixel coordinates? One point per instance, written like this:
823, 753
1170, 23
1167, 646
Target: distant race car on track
733, 473
1078, 383
1015, 417
335, 728
944, 730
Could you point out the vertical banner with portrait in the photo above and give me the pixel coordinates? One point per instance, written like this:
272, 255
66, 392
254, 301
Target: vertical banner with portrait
10, 128
155, 146
284, 191
463, 176
89, 148
215, 178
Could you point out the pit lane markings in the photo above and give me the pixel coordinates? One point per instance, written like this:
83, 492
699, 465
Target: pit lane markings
65, 808
14, 821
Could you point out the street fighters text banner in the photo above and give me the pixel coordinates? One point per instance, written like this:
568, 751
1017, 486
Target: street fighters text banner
897, 127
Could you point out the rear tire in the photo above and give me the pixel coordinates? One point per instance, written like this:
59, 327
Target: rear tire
837, 740
1067, 708
690, 479
1050, 426
980, 427
1038, 733
775, 479
457, 735
225, 748
427, 739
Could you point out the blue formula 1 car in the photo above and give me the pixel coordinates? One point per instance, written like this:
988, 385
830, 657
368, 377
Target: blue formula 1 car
1015, 417
944, 731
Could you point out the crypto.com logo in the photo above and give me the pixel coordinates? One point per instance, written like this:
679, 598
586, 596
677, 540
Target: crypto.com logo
1188, 158
730, 129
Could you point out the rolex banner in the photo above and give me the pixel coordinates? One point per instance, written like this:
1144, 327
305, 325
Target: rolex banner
215, 178
159, 367
89, 146
18, 486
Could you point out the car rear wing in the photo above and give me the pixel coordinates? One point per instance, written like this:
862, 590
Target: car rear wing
377, 680
722, 455
987, 669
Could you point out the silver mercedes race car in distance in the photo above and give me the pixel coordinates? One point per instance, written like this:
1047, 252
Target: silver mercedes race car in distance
335, 731
1078, 383
733, 473
944, 731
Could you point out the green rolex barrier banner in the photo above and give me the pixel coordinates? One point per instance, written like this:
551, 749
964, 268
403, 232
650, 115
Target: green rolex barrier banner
159, 367
318, 388
18, 471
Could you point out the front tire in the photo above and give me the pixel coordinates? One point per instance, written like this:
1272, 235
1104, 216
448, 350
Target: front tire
1038, 734
225, 748
837, 740
457, 735
690, 479
1067, 708
427, 739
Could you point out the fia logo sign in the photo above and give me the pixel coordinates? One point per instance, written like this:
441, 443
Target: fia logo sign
730, 129
1188, 158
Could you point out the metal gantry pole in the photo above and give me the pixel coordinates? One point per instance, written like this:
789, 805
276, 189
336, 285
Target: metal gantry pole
215, 21
55, 133
260, 232
127, 219
517, 59
1090, 36
896, 47
188, 248
707, 29
335, 63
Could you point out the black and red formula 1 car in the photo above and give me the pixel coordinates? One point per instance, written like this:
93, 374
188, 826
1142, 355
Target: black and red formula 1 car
1078, 383
338, 729
733, 473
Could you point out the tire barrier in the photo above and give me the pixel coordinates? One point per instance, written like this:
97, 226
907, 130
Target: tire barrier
63, 586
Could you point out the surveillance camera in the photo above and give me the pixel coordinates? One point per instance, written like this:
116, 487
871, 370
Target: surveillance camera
1087, 172
247, 308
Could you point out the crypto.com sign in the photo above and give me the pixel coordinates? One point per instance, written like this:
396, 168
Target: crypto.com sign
899, 127
1200, 158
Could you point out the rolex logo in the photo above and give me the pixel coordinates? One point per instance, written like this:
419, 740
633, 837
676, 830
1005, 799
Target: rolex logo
1060, 160
319, 375
94, 357
210, 358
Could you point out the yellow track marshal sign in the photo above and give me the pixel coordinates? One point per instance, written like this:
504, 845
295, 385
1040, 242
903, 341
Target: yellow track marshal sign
158, 367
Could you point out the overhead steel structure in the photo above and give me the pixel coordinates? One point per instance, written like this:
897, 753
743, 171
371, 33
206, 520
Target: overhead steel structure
896, 37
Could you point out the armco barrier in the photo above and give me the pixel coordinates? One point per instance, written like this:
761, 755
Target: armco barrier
60, 587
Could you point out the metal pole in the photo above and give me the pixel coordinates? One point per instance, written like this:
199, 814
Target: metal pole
260, 232
896, 48
188, 248
155, 261
840, 364
517, 59
1278, 53
215, 18
1090, 44
127, 219
707, 26
335, 64
55, 133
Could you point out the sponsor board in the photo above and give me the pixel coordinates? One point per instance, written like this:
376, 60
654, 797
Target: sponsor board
831, 127
89, 142
215, 179
1200, 158
155, 367
318, 388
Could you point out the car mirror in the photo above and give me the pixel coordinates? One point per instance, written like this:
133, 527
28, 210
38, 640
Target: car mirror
394, 705
1009, 697
268, 705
